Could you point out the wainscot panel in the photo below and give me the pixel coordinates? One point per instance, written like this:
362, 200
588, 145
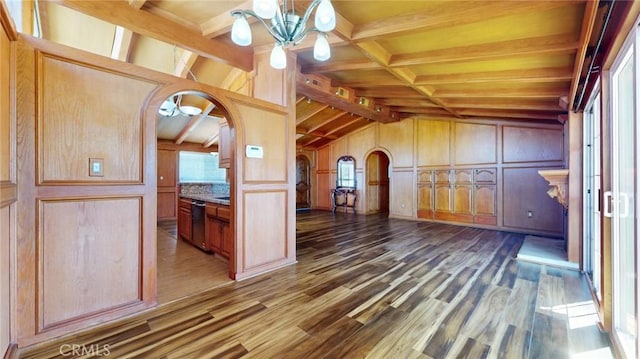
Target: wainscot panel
527, 205
89, 257
264, 210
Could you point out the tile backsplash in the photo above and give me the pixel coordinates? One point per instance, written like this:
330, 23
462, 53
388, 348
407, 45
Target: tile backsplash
221, 189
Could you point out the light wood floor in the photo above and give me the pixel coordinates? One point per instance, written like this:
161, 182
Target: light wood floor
368, 286
183, 269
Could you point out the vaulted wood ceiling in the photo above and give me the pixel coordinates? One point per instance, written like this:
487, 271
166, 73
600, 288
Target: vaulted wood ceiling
390, 60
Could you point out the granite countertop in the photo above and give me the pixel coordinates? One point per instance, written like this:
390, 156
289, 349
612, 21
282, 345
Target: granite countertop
213, 198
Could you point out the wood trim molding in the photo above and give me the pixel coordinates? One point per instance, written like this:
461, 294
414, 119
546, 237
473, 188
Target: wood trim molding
8, 194
7, 23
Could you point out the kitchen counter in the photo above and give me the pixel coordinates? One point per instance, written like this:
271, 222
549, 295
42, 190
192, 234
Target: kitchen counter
208, 198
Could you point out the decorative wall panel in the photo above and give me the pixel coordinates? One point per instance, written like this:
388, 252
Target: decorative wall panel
89, 257
433, 142
5, 288
269, 130
402, 194
360, 141
5, 109
397, 137
527, 144
85, 123
475, 143
265, 218
526, 204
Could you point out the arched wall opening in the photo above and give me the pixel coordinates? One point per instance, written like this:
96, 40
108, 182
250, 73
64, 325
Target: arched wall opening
376, 186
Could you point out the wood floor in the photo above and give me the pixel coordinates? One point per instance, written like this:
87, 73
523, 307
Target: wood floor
183, 269
368, 286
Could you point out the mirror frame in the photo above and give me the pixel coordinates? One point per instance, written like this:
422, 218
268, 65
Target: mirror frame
346, 172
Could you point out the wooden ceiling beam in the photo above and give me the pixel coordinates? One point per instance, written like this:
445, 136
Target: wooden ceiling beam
193, 122
221, 24
528, 75
300, 119
163, 29
452, 13
390, 92
326, 122
510, 114
344, 125
588, 20
122, 42
422, 110
319, 89
35, 9
495, 50
346, 65
504, 93
137, 4
375, 51
210, 141
400, 101
506, 104
184, 64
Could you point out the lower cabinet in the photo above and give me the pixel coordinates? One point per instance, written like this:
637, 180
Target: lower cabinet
464, 195
484, 204
184, 220
218, 229
425, 200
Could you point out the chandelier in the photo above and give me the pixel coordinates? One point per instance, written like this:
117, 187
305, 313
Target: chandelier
286, 27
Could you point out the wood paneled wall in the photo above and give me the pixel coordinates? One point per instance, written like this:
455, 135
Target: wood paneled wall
8, 194
514, 150
80, 254
86, 252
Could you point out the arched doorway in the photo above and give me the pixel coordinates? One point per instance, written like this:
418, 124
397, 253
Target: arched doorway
303, 183
191, 164
377, 186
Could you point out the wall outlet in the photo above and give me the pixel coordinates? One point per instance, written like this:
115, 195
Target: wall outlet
529, 214
96, 167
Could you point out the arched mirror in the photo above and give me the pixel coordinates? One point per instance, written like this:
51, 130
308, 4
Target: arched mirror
346, 177
345, 193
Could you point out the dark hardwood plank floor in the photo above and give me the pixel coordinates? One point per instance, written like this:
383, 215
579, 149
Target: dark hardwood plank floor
369, 286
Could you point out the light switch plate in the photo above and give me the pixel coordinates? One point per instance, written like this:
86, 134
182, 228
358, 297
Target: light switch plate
96, 167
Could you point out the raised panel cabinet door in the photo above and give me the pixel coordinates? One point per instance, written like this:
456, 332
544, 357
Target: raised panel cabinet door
166, 205
224, 144
184, 224
462, 199
442, 176
463, 176
425, 200
425, 176
167, 160
484, 175
227, 239
214, 237
484, 200
442, 198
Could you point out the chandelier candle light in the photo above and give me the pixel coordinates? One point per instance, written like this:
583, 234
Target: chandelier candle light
286, 27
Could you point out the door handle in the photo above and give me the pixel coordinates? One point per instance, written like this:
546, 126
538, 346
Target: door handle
624, 199
607, 210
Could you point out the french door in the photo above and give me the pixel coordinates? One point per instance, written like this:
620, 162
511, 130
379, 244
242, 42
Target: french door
592, 204
621, 204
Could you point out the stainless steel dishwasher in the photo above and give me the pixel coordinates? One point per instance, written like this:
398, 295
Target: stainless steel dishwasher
197, 224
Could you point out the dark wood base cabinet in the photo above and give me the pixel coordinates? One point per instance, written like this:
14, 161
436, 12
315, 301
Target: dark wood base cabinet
218, 229
466, 195
184, 219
